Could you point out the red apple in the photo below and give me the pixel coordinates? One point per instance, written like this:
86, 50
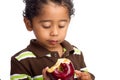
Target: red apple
63, 69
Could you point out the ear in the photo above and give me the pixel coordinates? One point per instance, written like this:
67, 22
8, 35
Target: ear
28, 24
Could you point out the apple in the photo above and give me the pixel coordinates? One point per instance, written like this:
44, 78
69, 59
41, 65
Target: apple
63, 69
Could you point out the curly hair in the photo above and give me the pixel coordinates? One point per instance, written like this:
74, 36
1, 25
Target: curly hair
32, 7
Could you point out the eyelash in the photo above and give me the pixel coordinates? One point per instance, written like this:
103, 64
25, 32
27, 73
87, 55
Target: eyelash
46, 27
49, 27
61, 26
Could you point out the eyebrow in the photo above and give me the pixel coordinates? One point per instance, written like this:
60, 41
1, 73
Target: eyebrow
45, 21
64, 20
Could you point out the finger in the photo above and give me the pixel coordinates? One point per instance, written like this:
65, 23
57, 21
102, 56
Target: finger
85, 76
78, 73
44, 71
45, 77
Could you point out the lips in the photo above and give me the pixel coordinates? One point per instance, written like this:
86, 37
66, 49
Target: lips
53, 42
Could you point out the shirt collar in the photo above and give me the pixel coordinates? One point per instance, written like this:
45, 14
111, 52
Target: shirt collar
40, 51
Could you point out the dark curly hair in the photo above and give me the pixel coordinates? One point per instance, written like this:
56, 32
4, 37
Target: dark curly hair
32, 7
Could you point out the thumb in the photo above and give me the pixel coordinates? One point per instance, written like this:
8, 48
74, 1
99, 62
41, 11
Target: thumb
44, 70
45, 77
78, 73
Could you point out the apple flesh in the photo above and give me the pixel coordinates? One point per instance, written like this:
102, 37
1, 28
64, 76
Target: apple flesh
63, 69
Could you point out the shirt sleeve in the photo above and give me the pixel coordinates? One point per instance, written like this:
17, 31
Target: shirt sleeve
84, 68
18, 71
80, 62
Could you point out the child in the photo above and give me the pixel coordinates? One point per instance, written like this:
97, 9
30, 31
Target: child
49, 20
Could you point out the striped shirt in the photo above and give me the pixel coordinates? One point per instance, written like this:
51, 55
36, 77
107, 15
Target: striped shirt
29, 62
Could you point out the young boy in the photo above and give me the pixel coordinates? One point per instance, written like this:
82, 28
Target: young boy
49, 20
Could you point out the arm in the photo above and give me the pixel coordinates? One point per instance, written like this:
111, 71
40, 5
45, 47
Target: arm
81, 66
18, 71
84, 74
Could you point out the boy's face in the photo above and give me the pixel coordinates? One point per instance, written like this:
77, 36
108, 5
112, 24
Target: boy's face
51, 25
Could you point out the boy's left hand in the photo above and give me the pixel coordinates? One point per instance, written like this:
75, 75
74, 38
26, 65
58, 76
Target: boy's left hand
82, 75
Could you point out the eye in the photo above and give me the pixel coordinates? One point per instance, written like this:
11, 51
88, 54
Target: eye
61, 26
45, 26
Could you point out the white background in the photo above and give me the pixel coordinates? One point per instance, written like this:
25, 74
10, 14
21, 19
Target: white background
95, 29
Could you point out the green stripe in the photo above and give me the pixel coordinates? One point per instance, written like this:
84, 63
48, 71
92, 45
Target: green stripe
77, 51
24, 76
24, 55
40, 77
20, 76
64, 50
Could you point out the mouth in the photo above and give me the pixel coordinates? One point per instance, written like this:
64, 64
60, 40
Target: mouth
53, 42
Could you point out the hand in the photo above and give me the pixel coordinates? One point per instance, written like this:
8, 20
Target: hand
82, 75
45, 77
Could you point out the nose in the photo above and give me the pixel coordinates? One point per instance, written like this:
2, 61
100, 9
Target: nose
54, 31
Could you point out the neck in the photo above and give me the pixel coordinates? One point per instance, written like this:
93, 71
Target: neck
59, 49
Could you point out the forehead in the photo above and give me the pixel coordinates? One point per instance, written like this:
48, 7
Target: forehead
52, 10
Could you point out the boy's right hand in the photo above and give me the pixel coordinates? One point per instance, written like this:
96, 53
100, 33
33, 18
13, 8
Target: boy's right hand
45, 76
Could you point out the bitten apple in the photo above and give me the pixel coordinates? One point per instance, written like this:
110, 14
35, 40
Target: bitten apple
63, 69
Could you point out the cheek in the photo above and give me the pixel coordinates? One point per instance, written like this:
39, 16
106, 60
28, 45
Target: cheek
39, 33
63, 33
42, 34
